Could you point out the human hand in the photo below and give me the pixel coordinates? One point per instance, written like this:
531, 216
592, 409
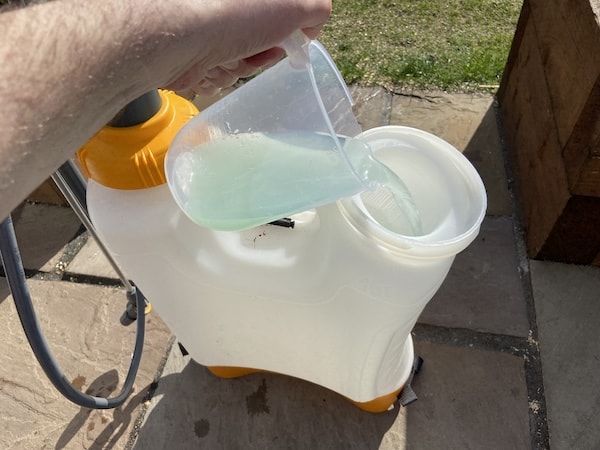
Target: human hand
240, 39
227, 75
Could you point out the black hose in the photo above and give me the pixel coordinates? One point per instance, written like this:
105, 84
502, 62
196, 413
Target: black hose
17, 282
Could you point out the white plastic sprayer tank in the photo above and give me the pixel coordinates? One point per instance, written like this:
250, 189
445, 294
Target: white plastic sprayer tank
332, 300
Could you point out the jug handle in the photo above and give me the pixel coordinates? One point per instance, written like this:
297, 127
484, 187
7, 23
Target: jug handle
296, 47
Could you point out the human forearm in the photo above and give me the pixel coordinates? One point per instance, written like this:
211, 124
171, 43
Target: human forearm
54, 96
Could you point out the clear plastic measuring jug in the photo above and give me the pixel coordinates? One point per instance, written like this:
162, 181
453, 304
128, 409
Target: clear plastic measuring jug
278, 145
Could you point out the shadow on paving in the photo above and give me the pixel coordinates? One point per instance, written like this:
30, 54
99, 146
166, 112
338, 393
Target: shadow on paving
194, 409
468, 398
43, 234
484, 152
116, 421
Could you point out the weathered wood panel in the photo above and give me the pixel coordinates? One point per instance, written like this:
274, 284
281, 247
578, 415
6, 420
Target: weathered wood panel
550, 106
530, 132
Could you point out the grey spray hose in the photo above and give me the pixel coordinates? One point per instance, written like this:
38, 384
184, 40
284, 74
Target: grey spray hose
17, 283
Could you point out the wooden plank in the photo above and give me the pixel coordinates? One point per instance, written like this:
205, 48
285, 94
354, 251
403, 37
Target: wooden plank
509, 92
583, 22
575, 237
589, 179
533, 144
569, 71
582, 152
550, 108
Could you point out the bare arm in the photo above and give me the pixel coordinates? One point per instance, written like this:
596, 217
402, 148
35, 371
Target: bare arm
68, 66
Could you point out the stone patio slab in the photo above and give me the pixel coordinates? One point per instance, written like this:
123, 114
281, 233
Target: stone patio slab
81, 325
372, 106
42, 232
468, 399
483, 290
468, 122
567, 303
90, 260
454, 117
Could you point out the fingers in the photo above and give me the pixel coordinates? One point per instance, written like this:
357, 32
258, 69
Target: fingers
321, 9
206, 90
222, 77
262, 29
228, 74
266, 58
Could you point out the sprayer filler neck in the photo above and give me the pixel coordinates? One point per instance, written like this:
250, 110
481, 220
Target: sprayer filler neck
130, 154
138, 111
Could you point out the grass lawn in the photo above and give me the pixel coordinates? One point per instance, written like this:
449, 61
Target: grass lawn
455, 45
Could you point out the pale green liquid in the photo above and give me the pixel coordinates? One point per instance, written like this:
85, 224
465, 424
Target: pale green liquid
250, 179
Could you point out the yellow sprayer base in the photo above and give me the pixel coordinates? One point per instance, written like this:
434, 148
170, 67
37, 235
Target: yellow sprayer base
377, 405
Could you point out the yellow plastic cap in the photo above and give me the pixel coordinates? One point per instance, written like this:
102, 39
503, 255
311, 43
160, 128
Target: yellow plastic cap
133, 157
